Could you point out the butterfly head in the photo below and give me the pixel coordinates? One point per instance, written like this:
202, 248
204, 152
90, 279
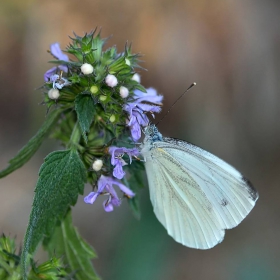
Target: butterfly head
152, 134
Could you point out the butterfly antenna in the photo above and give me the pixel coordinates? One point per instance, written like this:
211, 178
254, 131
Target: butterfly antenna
192, 85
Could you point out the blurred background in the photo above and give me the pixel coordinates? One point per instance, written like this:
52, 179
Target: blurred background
231, 49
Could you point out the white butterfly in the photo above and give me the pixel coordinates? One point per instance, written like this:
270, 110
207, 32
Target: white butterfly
195, 195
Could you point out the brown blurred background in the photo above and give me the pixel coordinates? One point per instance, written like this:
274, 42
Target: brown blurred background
231, 49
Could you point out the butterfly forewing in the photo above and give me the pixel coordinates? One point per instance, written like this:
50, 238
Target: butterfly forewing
195, 195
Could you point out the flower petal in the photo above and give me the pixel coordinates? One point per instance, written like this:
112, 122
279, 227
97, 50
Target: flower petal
63, 68
108, 207
125, 189
135, 132
132, 152
103, 182
56, 52
142, 118
116, 201
113, 151
149, 108
149, 96
118, 170
50, 73
91, 197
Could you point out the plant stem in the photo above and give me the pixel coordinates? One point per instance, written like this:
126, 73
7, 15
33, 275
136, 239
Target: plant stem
75, 137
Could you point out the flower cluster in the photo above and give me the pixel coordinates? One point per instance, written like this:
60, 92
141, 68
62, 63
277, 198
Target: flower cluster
101, 93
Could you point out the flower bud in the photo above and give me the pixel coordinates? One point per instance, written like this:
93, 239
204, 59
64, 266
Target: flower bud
102, 98
124, 92
136, 77
112, 118
111, 80
94, 89
87, 68
97, 165
127, 62
53, 93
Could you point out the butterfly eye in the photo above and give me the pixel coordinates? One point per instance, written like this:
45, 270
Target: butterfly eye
150, 130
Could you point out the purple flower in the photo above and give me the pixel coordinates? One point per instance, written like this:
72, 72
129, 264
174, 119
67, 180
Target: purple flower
57, 53
58, 81
137, 109
105, 187
117, 160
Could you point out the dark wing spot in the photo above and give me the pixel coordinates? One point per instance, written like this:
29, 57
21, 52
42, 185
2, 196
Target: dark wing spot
251, 189
224, 202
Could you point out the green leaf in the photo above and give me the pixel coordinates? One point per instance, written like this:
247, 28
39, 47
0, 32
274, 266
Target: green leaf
75, 252
135, 182
134, 204
61, 179
67, 63
32, 146
85, 109
136, 85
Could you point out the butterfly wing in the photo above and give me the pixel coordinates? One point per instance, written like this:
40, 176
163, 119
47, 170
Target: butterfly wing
195, 195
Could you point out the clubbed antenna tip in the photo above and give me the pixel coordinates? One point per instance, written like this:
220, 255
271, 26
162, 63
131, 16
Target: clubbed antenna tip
192, 85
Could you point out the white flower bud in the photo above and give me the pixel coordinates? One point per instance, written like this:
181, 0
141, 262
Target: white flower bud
87, 68
111, 80
124, 92
136, 77
97, 164
127, 62
53, 93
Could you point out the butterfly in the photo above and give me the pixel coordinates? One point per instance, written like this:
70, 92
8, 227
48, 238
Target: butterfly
195, 195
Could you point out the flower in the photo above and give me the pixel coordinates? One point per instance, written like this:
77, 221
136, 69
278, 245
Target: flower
124, 92
58, 81
111, 80
116, 160
87, 68
137, 109
105, 187
57, 53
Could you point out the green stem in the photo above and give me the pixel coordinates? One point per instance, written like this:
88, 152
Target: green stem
75, 137
81, 148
